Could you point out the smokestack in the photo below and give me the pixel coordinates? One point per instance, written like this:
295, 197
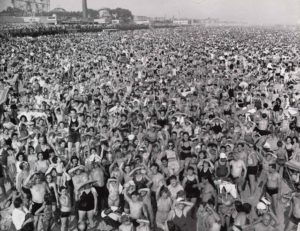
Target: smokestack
84, 9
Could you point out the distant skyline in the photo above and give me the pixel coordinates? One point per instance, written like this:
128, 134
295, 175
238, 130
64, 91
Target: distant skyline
252, 11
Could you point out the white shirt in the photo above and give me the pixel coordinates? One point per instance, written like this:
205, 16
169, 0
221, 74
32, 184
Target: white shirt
18, 217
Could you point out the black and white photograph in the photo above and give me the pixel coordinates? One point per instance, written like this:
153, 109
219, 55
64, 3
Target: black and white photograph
149, 115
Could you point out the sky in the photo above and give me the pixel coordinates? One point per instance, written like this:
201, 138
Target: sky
252, 11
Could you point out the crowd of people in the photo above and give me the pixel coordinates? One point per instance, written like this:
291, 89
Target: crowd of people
167, 129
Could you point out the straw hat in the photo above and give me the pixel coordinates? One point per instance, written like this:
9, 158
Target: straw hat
88, 183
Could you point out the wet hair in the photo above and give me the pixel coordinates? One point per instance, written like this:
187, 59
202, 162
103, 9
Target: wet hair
238, 206
173, 177
190, 168
74, 158
18, 202
247, 208
279, 143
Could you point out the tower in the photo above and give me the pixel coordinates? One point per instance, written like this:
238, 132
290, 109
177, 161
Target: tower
84, 9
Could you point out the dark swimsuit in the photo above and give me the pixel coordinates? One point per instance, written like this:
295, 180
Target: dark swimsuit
74, 135
186, 152
86, 202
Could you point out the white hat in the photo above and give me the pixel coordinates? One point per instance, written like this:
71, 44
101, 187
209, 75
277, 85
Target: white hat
223, 155
261, 206
131, 137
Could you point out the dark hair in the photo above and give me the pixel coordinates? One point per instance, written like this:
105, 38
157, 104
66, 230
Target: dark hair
18, 202
247, 208
272, 166
173, 177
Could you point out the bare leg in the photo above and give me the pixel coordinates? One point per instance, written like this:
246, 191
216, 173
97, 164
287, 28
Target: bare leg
81, 215
70, 145
77, 145
64, 221
91, 218
252, 184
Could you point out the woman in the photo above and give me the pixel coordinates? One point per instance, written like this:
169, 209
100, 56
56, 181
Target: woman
185, 149
140, 178
13, 164
206, 170
179, 216
164, 206
41, 165
190, 184
74, 135
171, 155
53, 192
43, 147
31, 156
87, 204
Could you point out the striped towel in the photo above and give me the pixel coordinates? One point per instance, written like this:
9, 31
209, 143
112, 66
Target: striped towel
3, 95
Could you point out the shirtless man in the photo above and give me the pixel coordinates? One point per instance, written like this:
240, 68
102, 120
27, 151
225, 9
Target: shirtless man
294, 211
78, 179
273, 185
97, 174
22, 176
264, 225
237, 168
213, 220
38, 190
137, 207
207, 191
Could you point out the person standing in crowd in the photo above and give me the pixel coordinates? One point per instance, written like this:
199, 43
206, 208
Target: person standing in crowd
166, 134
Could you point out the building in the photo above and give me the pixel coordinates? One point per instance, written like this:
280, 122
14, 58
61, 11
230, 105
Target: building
142, 20
182, 22
32, 6
104, 13
58, 10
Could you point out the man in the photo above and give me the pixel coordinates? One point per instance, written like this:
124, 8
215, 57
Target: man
174, 187
20, 217
156, 177
273, 185
294, 211
97, 174
38, 191
78, 178
222, 168
136, 206
21, 178
238, 171
264, 225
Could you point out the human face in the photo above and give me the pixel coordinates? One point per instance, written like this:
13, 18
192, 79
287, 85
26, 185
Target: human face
173, 182
266, 219
49, 179
134, 198
20, 158
154, 169
40, 156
